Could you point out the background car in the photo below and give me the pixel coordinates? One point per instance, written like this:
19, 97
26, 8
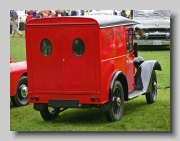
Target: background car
18, 83
155, 24
101, 12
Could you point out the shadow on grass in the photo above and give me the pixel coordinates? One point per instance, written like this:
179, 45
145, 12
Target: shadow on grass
93, 115
133, 106
88, 116
153, 48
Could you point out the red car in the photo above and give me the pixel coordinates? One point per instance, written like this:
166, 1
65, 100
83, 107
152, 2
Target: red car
84, 62
18, 83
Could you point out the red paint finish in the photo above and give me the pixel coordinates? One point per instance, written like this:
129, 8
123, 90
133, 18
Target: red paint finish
65, 76
16, 71
46, 71
79, 72
113, 56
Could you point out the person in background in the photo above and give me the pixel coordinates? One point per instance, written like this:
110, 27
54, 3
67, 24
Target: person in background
49, 14
67, 12
82, 12
128, 13
44, 13
40, 14
73, 13
123, 13
63, 13
85, 12
58, 13
29, 16
15, 29
34, 13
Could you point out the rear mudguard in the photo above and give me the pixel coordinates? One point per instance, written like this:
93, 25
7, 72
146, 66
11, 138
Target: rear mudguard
143, 74
117, 75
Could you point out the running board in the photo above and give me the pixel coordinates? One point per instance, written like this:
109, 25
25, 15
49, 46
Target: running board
135, 93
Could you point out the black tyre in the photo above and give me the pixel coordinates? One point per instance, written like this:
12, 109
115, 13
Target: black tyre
49, 113
117, 103
21, 97
152, 95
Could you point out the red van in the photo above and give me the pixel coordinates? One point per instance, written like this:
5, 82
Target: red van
84, 62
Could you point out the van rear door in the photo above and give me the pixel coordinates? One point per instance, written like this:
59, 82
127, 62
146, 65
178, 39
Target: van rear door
46, 59
78, 58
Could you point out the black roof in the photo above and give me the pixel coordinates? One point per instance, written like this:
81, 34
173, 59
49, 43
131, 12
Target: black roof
104, 21
111, 20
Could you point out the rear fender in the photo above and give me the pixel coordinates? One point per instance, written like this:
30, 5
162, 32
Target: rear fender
117, 75
143, 74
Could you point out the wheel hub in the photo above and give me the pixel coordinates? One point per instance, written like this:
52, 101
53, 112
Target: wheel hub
154, 91
24, 91
155, 84
118, 101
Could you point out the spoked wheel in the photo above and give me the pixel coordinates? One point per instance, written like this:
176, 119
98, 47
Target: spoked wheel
21, 97
152, 95
117, 103
50, 113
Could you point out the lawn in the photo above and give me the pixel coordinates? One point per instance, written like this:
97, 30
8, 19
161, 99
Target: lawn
137, 116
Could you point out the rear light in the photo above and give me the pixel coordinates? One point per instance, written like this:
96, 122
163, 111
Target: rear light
93, 99
36, 98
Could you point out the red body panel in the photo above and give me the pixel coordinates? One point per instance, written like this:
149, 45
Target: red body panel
65, 76
16, 71
113, 54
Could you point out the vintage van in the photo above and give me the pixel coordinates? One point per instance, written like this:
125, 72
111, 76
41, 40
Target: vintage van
84, 62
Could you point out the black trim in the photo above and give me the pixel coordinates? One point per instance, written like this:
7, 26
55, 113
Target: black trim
39, 107
105, 21
64, 103
143, 74
135, 50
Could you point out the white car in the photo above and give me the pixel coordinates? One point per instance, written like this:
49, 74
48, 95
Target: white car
102, 12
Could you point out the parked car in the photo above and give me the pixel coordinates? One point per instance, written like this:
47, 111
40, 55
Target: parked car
85, 62
18, 83
155, 24
101, 12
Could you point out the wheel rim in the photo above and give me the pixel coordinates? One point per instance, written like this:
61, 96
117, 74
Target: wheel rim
116, 101
154, 89
23, 91
52, 110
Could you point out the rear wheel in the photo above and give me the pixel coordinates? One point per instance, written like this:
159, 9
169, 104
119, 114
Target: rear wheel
152, 95
49, 113
117, 103
21, 97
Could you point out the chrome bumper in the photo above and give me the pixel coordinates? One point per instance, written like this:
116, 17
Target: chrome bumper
152, 42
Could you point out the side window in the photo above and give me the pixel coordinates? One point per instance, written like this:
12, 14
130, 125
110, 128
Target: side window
78, 47
129, 37
46, 47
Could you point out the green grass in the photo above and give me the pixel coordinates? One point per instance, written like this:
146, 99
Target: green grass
137, 116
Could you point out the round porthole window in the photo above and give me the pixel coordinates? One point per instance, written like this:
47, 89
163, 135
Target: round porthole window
46, 47
78, 47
